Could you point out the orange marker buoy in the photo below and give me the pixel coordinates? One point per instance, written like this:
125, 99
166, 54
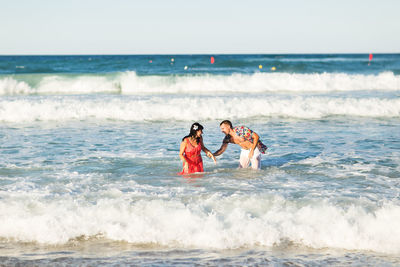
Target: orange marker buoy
212, 60
370, 59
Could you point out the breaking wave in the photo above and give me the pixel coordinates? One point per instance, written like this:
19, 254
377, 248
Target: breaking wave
214, 222
143, 108
131, 84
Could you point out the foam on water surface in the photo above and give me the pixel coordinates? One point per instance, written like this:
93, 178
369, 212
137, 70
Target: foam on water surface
89, 157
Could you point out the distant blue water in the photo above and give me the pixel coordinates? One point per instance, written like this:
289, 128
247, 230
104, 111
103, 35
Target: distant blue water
89, 155
200, 64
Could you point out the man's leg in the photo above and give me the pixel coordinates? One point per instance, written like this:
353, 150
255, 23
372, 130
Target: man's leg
244, 159
256, 160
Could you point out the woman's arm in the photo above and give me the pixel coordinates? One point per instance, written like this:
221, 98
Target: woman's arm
183, 158
182, 150
208, 152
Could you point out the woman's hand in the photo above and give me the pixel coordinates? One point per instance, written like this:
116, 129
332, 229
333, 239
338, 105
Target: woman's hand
210, 155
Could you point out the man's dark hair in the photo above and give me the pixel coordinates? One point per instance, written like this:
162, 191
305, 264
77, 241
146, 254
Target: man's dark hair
226, 122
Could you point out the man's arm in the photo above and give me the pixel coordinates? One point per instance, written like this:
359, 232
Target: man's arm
254, 144
221, 150
224, 145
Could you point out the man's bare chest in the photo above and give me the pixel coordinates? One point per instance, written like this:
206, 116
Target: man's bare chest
237, 140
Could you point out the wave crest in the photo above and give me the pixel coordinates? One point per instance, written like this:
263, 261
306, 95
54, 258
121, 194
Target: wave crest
221, 223
131, 83
133, 108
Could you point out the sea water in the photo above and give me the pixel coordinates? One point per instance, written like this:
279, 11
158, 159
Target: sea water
89, 160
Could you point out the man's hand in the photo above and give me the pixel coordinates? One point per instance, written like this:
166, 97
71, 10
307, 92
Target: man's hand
251, 153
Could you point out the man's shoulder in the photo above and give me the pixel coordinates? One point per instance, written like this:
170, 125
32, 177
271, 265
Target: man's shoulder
241, 127
227, 139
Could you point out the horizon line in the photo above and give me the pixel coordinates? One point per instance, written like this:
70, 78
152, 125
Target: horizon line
202, 54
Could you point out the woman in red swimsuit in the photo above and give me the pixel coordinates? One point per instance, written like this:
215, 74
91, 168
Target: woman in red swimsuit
191, 146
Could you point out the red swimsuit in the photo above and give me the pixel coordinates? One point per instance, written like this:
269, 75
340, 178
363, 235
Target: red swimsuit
193, 158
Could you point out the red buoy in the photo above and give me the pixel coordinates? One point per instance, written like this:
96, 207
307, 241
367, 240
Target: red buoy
212, 60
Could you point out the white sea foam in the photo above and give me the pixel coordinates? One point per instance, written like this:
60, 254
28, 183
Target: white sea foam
10, 86
131, 83
76, 85
32, 109
212, 222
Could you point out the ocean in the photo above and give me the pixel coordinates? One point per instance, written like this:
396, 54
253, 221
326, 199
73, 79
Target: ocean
89, 160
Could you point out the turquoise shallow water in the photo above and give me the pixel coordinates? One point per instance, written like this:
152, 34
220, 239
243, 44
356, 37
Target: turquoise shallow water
89, 161
326, 186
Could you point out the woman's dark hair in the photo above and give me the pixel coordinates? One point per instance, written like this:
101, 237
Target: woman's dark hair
193, 129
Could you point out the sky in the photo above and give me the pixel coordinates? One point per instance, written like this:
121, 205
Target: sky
198, 27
